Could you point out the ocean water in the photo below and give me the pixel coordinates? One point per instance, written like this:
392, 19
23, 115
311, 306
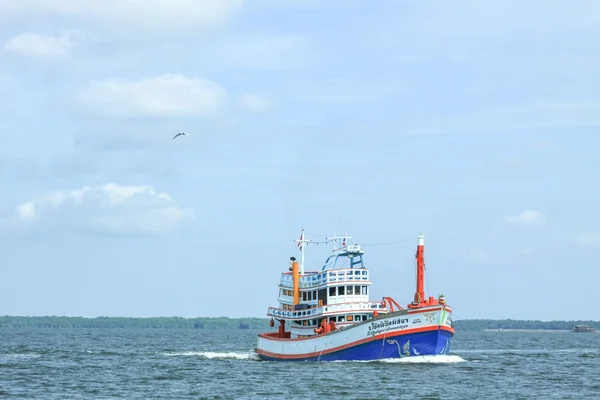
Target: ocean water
204, 364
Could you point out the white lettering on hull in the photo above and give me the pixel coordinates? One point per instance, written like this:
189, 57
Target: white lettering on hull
386, 325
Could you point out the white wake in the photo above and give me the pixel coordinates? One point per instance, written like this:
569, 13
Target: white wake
440, 359
232, 355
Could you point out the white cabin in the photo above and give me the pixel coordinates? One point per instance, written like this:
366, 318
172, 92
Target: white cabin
339, 292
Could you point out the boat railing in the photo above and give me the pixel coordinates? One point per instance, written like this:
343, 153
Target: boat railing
313, 280
313, 312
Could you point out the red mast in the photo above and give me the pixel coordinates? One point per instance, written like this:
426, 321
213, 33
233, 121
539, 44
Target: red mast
419, 299
420, 270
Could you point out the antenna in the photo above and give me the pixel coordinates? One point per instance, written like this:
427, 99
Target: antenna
336, 241
301, 242
333, 244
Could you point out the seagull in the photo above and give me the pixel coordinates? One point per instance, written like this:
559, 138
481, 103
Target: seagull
180, 134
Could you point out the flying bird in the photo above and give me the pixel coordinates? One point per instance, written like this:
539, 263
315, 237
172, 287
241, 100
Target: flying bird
180, 134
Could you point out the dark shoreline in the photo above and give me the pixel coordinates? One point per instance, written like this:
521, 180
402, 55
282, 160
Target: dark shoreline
257, 323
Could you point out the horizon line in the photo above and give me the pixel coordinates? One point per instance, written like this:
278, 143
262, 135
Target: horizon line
266, 318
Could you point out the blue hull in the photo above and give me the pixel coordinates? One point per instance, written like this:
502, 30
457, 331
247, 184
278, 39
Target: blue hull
398, 346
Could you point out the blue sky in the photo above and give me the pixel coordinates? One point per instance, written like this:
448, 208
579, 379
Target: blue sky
473, 122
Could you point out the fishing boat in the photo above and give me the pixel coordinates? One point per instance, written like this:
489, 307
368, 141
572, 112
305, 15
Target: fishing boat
328, 314
583, 328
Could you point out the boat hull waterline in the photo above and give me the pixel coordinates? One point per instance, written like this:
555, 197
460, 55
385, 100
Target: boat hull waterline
397, 335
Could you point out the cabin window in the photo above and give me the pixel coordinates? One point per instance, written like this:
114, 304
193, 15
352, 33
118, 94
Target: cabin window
358, 318
303, 296
332, 291
314, 294
304, 323
341, 318
349, 290
356, 272
341, 290
364, 290
350, 318
309, 296
331, 319
322, 296
356, 289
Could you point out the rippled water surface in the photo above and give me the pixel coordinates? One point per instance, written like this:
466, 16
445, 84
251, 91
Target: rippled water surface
201, 364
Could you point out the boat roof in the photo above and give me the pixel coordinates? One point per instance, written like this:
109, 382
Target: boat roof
344, 257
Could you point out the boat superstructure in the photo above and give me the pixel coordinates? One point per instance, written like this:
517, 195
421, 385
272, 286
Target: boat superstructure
327, 314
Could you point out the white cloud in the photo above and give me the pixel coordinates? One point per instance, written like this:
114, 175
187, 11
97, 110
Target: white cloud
169, 95
33, 44
109, 208
254, 102
588, 239
127, 17
527, 219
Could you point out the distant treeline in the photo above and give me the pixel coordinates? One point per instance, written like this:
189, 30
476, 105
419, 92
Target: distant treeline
131, 322
250, 323
481, 324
